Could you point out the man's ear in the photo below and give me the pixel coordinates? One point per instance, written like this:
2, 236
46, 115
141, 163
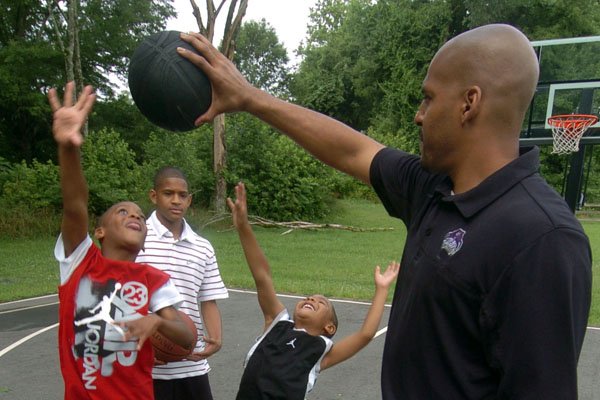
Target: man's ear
471, 103
152, 195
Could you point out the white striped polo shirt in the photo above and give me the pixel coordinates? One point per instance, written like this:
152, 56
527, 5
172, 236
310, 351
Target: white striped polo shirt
193, 267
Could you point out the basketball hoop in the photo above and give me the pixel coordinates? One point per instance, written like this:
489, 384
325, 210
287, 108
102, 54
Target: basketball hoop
568, 129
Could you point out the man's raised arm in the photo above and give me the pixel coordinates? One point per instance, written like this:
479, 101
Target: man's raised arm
329, 140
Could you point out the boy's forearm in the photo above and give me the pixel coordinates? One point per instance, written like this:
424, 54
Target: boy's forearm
353, 343
176, 330
373, 317
75, 220
72, 181
211, 320
257, 262
261, 273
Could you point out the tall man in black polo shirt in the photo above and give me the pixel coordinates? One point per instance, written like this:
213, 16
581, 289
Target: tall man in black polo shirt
494, 293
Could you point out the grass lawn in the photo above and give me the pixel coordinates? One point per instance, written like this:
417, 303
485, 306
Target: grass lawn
336, 263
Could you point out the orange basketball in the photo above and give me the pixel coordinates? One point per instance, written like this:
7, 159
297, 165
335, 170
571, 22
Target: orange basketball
166, 350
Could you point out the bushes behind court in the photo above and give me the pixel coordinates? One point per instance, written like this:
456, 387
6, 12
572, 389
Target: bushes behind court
286, 183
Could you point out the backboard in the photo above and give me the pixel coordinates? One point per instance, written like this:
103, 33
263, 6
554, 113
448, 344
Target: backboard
569, 84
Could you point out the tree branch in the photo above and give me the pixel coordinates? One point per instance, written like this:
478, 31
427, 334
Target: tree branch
292, 225
198, 16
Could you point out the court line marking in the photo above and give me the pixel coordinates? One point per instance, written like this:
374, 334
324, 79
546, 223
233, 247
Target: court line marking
30, 299
28, 308
25, 339
377, 334
39, 332
290, 296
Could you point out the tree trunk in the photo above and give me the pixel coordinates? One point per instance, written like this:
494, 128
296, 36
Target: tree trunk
232, 25
73, 56
71, 29
219, 163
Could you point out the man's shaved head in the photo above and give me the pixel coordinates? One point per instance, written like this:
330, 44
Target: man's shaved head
500, 60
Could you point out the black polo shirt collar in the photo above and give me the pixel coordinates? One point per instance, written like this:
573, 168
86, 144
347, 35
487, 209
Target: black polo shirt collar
472, 201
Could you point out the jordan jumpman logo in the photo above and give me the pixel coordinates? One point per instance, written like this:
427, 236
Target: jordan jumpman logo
104, 313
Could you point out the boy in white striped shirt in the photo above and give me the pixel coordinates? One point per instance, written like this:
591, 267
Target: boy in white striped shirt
172, 246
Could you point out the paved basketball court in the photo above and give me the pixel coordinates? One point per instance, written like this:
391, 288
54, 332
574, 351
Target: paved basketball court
29, 368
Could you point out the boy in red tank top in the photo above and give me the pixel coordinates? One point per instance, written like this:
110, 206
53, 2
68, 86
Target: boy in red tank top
105, 297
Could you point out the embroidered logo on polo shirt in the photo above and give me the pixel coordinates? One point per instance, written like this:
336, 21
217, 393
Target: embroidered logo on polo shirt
291, 343
453, 241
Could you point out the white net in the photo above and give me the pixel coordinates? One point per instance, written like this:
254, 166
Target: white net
567, 130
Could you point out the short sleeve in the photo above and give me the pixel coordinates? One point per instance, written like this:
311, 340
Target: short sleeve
68, 264
401, 183
164, 296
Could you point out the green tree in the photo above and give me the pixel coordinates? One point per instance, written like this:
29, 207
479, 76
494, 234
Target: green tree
121, 115
192, 152
364, 63
286, 183
33, 45
109, 32
233, 21
262, 58
110, 170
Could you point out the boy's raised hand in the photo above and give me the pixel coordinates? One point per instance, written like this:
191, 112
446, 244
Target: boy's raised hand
239, 208
385, 279
69, 118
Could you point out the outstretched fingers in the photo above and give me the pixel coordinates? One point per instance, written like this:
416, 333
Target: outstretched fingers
84, 103
86, 100
238, 207
387, 277
53, 100
204, 63
68, 95
392, 269
240, 192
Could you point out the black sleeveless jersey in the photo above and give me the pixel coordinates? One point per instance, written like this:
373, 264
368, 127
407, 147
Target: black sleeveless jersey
283, 364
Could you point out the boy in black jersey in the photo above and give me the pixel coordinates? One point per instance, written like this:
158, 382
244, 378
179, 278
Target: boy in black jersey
285, 360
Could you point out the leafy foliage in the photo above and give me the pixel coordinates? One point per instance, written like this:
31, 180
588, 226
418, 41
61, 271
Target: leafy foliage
33, 187
363, 63
191, 152
31, 60
110, 170
121, 115
24, 111
286, 183
366, 64
262, 58
110, 30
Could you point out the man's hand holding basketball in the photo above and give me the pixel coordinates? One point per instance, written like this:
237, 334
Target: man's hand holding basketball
231, 92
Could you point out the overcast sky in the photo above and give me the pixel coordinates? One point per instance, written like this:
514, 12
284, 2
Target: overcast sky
287, 17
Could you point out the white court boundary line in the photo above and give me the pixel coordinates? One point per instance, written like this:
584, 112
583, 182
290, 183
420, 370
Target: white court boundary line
39, 332
30, 299
289, 296
26, 338
28, 308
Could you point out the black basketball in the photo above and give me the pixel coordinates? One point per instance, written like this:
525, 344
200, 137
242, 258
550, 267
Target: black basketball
168, 89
